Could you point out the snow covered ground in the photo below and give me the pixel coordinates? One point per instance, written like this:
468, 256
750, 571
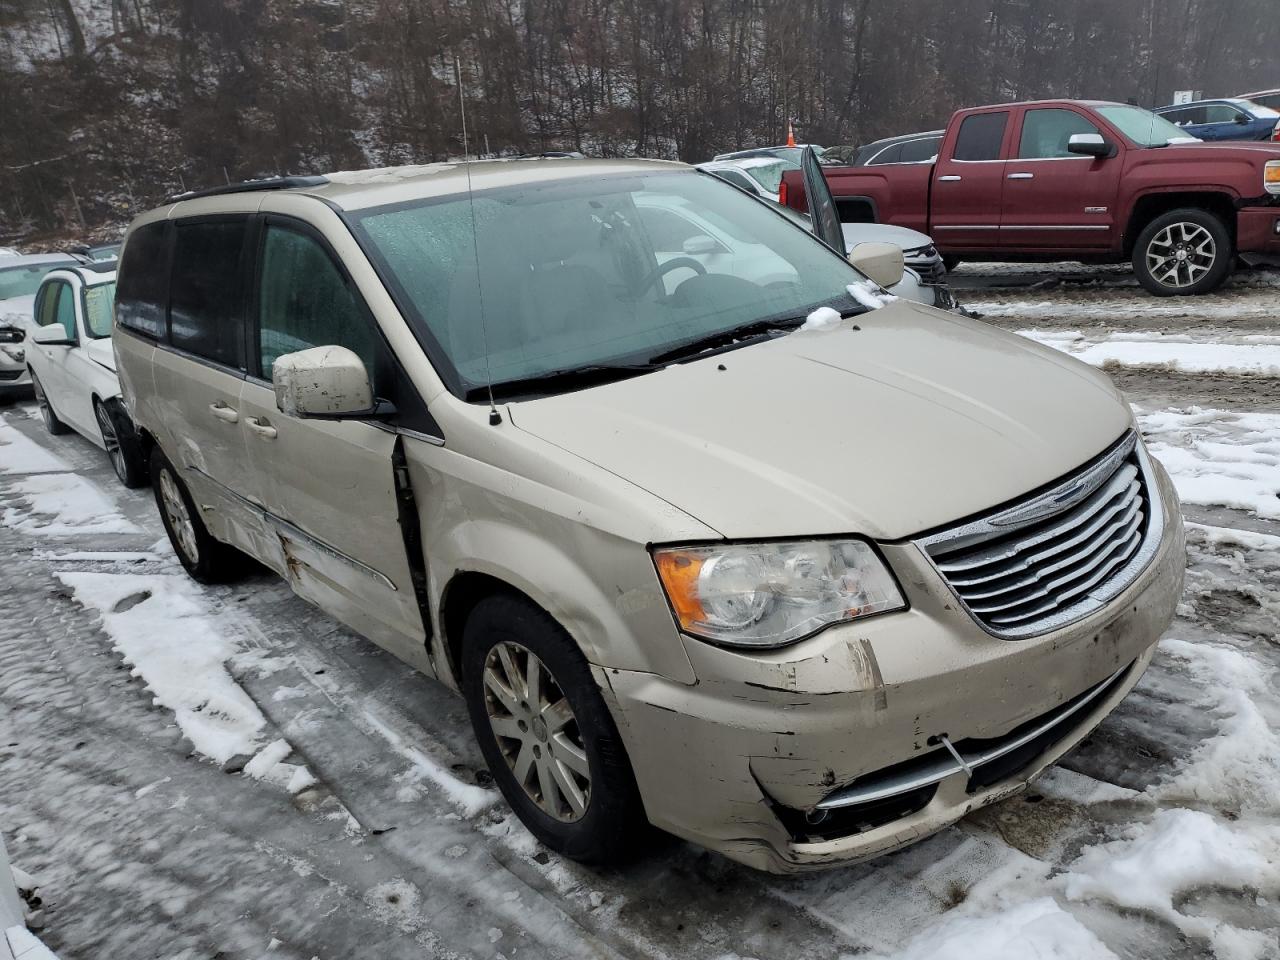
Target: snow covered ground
190, 772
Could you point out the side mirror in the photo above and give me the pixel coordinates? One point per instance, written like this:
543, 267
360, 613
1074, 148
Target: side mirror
1090, 145
327, 383
1241, 118
882, 262
701, 244
52, 335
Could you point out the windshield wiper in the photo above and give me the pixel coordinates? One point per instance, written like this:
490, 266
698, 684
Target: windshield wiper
726, 338
740, 336
555, 381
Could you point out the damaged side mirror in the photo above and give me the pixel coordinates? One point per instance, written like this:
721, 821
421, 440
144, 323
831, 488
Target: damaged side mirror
325, 383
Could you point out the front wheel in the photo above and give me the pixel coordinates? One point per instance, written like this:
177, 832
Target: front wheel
1183, 253
546, 733
121, 442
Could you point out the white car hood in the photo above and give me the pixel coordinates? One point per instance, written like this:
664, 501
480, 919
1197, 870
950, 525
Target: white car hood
18, 312
911, 421
855, 233
100, 351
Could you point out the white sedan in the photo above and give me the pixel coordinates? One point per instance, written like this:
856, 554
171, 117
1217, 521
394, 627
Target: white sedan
20, 277
73, 368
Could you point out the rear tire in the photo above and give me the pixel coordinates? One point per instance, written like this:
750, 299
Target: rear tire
51, 422
207, 560
122, 443
1183, 253
556, 728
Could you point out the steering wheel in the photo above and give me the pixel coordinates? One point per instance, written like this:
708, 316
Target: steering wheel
675, 263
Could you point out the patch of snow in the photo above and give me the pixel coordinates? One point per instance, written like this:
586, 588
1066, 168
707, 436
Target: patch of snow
20, 454
61, 504
1037, 928
869, 294
1063, 784
1178, 851
162, 626
1218, 457
1258, 356
1239, 769
467, 797
824, 318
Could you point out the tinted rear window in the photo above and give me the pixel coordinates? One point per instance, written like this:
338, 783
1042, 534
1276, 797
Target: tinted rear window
142, 285
917, 151
980, 137
205, 313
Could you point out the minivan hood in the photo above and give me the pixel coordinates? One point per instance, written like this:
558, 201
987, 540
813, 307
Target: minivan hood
897, 421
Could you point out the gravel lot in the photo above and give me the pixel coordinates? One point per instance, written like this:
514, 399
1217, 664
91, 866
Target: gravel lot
1158, 837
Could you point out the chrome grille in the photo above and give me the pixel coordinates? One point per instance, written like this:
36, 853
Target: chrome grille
1059, 555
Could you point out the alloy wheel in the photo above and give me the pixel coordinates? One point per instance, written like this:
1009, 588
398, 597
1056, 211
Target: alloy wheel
537, 731
111, 440
1181, 254
175, 509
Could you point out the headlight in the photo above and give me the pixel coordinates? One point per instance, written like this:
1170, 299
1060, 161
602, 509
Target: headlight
768, 594
1271, 176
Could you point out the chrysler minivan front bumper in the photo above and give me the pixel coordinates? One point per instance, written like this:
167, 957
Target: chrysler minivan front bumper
924, 712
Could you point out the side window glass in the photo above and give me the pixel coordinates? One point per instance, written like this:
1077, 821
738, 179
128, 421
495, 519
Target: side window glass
205, 315
980, 137
47, 308
1220, 113
888, 155
1046, 133
66, 312
303, 301
918, 151
143, 282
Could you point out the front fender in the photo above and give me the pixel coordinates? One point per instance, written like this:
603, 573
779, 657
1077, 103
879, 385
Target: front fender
615, 610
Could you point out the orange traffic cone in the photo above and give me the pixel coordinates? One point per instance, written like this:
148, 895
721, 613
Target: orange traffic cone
791, 135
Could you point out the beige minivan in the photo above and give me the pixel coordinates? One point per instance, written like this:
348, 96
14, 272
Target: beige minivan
799, 590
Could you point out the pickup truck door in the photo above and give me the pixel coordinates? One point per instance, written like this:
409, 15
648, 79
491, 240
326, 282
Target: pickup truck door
1055, 200
969, 182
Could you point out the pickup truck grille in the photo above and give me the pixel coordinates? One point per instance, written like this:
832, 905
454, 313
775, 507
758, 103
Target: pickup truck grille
1059, 555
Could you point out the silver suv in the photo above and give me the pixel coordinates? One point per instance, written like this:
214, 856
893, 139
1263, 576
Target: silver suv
801, 585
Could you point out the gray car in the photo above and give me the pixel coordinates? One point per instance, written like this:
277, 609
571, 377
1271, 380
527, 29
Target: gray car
741, 550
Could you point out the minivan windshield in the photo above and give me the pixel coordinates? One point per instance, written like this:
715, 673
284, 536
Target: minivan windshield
1143, 127
531, 284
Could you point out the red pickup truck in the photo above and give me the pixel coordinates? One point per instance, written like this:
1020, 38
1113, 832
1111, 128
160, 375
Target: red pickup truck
1077, 180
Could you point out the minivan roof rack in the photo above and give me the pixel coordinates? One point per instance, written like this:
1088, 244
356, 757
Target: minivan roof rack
248, 186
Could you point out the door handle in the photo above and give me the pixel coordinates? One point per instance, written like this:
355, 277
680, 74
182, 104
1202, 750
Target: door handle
261, 427
224, 412
949, 178
1022, 176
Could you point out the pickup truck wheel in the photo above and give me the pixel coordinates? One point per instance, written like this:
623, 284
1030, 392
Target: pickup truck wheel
546, 734
1184, 252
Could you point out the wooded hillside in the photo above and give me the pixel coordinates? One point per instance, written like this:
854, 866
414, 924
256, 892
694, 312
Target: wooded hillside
107, 106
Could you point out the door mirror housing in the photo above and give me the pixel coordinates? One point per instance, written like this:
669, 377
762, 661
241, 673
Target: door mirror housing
701, 244
324, 383
1241, 118
881, 262
52, 335
1090, 145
